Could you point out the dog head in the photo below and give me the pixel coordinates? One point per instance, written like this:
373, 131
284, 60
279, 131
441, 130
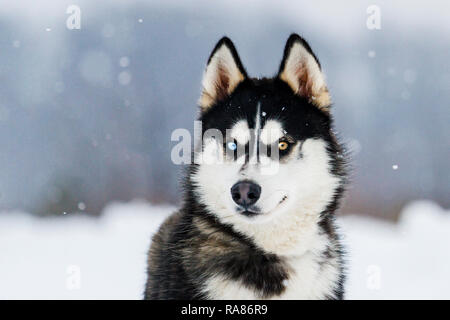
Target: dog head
267, 149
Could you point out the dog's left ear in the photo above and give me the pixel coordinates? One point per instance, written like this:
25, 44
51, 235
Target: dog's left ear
224, 71
301, 70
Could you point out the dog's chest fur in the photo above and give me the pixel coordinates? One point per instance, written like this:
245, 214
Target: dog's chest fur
307, 280
309, 260
196, 257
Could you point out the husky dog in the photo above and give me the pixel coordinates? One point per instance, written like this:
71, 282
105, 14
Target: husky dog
243, 233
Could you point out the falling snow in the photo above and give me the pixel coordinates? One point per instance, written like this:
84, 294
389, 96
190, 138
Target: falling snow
124, 78
124, 62
81, 206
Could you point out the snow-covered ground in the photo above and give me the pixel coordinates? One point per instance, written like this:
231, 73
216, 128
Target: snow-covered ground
76, 257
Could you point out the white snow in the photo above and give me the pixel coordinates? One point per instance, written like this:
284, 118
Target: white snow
76, 257
411, 259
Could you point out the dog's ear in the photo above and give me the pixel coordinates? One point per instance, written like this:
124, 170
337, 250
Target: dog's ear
224, 71
301, 70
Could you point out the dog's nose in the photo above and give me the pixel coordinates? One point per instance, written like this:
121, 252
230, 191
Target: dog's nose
245, 193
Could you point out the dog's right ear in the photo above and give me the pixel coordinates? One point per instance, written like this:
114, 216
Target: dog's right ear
224, 71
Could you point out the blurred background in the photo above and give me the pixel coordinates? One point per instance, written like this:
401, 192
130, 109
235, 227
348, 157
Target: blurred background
86, 115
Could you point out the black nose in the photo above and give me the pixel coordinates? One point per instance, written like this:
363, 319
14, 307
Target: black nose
245, 193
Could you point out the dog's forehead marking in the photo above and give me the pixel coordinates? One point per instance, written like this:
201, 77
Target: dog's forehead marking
257, 131
272, 131
241, 132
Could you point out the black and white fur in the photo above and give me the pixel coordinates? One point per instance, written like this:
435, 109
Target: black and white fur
286, 245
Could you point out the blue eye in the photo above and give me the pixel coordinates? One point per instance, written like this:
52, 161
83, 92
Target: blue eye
232, 146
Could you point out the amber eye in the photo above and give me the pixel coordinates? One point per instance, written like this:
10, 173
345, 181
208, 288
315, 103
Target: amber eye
283, 145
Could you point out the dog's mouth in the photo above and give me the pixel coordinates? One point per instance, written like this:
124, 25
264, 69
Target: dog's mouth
283, 199
249, 213
253, 212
